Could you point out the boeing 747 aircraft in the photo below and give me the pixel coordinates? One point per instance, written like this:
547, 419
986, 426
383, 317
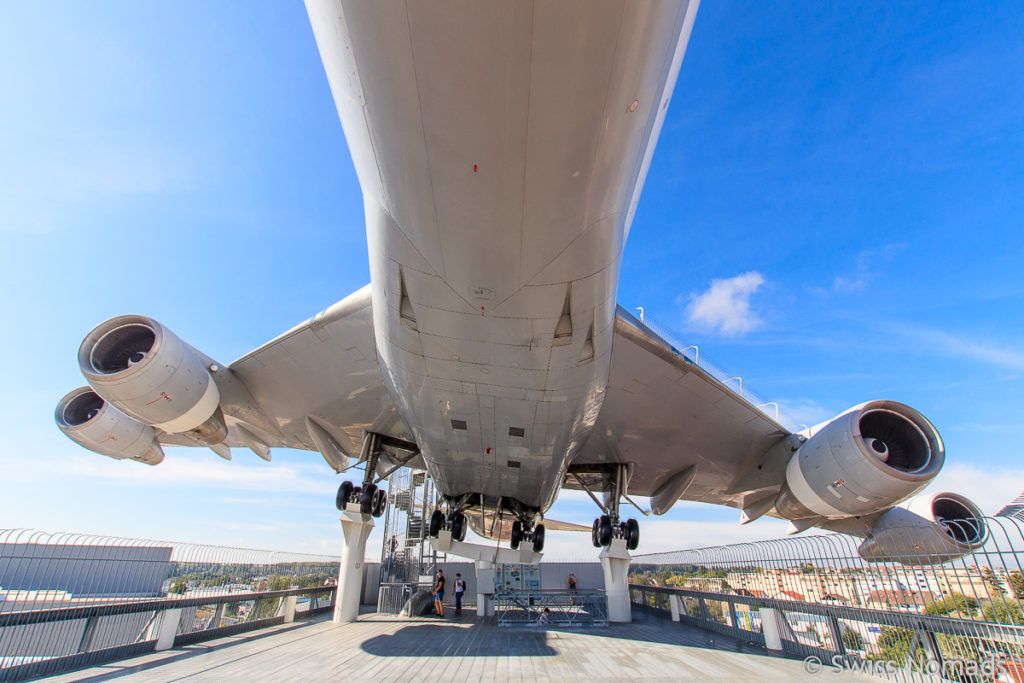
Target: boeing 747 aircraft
501, 148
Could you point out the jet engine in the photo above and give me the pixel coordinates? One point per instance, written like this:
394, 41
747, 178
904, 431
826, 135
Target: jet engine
870, 458
928, 529
93, 423
147, 372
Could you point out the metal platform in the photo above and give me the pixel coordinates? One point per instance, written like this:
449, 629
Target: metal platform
382, 647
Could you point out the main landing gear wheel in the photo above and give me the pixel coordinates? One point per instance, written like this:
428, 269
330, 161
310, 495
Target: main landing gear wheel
380, 503
517, 535
436, 522
593, 533
631, 532
344, 495
366, 498
538, 538
604, 530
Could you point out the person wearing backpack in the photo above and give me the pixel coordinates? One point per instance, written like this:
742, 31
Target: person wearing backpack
460, 588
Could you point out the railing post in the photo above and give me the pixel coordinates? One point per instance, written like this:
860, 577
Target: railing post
167, 629
673, 603
734, 622
770, 629
85, 642
287, 609
837, 635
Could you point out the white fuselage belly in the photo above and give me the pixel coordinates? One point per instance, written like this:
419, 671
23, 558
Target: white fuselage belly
501, 152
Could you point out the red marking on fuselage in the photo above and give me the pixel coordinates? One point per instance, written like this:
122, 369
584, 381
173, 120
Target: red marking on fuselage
474, 168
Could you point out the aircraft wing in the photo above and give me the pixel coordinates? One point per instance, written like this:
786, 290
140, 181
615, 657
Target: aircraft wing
663, 414
323, 371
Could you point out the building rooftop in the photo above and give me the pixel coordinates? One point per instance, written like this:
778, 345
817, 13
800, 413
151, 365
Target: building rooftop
394, 648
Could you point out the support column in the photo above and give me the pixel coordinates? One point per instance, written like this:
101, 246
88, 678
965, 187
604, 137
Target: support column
484, 588
356, 528
615, 563
673, 603
167, 629
775, 628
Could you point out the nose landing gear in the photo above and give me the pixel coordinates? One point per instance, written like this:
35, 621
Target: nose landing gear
455, 522
519, 535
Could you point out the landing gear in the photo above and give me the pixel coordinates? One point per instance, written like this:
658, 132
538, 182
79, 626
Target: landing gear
538, 538
344, 494
458, 527
455, 522
632, 534
607, 526
371, 500
519, 534
436, 522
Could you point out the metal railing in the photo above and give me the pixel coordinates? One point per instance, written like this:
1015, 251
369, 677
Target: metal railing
728, 380
816, 597
69, 600
393, 597
551, 608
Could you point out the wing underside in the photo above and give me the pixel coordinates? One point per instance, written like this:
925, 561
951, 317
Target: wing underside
663, 414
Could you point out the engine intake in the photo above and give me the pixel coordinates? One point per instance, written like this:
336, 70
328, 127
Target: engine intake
929, 529
91, 422
147, 372
870, 458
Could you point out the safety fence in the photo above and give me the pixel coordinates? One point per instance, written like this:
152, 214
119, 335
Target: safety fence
393, 598
815, 597
551, 608
70, 600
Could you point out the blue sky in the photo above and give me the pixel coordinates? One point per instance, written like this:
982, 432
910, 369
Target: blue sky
834, 212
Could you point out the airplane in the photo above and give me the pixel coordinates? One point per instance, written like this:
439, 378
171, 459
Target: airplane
501, 149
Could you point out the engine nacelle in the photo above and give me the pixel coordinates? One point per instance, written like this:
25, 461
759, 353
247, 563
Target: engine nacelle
870, 458
91, 422
147, 372
929, 529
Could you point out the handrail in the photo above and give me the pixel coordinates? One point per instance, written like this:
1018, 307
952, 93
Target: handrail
23, 617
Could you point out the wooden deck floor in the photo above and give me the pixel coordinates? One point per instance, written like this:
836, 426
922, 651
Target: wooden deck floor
386, 648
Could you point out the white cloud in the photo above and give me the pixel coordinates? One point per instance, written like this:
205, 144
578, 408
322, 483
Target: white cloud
803, 411
951, 345
198, 469
866, 268
725, 306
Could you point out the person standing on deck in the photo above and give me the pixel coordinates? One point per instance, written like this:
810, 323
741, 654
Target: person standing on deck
439, 594
460, 588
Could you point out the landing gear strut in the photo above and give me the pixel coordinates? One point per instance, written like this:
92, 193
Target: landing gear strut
371, 499
608, 526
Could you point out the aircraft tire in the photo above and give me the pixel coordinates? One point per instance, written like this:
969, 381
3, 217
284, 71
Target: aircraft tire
459, 527
632, 534
380, 503
516, 537
367, 499
538, 538
436, 522
604, 530
344, 494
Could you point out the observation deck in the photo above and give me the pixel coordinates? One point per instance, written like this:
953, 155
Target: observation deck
385, 647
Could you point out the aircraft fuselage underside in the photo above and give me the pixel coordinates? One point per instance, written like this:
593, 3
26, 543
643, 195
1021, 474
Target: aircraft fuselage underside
500, 168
